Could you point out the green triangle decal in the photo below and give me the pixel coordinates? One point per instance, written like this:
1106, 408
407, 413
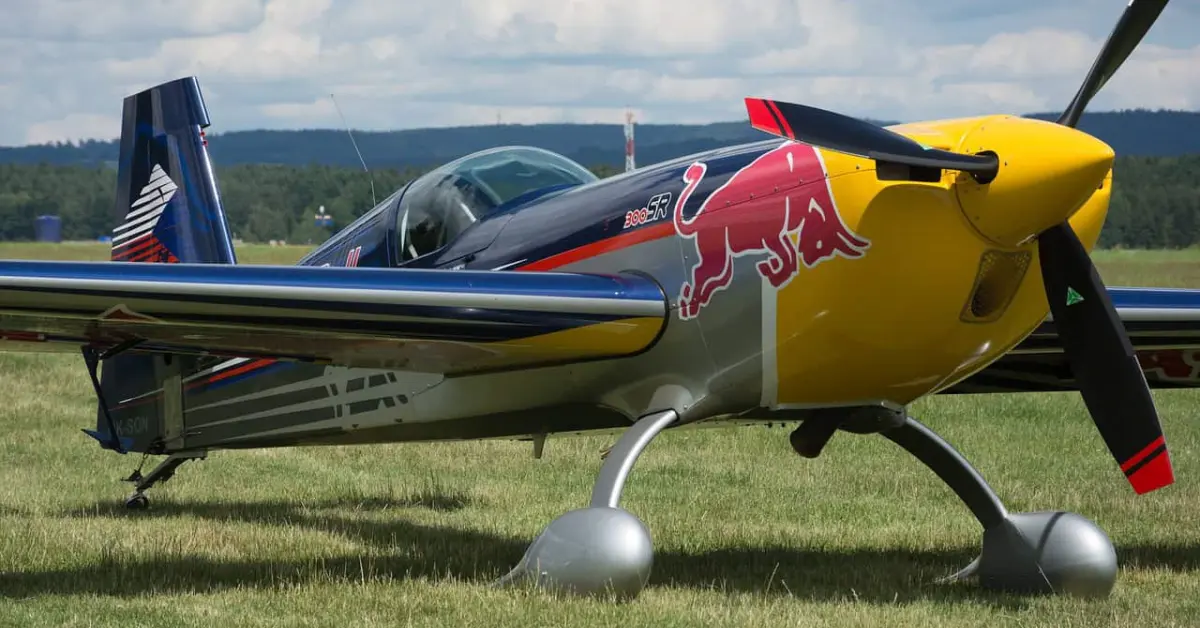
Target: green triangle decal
1073, 297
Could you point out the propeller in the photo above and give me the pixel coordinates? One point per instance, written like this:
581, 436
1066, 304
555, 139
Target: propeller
1102, 359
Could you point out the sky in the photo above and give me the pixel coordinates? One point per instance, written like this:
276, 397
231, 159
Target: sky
65, 65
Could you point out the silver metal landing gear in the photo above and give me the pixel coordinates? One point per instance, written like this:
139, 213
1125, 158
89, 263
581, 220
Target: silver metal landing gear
160, 473
1039, 552
602, 549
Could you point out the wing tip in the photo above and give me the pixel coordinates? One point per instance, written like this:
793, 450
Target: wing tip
1154, 474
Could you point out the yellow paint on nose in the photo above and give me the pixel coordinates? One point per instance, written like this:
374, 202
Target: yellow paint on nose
893, 324
1047, 171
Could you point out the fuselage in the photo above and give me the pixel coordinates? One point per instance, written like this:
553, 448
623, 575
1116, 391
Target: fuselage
797, 278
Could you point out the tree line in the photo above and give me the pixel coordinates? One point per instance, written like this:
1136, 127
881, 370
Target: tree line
1129, 132
1155, 203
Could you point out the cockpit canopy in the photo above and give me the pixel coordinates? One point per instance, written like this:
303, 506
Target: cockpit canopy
441, 204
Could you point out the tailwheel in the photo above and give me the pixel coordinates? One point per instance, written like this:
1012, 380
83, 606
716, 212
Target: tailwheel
137, 501
161, 473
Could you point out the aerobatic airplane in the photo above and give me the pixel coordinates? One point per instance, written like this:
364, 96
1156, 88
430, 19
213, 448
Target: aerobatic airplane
828, 276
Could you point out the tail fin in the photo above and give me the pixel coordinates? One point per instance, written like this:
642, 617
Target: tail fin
168, 207
168, 210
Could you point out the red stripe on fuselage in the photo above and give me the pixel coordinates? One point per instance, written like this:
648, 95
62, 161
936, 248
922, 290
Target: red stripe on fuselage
211, 378
249, 366
657, 231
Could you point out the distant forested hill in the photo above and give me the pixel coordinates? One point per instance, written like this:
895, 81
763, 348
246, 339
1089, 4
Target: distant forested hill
1130, 133
1156, 200
273, 181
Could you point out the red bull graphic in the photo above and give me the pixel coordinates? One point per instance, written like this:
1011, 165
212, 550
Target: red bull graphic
1171, 365
761, 210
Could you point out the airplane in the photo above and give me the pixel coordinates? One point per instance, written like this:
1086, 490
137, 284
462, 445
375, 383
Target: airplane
827, 276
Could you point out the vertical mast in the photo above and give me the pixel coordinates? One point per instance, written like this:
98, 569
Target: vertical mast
629, 161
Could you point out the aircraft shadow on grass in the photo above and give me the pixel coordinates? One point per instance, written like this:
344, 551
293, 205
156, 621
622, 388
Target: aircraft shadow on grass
402, 549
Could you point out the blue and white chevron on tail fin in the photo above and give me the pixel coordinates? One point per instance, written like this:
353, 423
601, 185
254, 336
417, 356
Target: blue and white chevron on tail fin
143, 217
168, 207
168, 210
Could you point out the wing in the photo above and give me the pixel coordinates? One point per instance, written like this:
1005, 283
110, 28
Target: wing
1163, 326
436, 321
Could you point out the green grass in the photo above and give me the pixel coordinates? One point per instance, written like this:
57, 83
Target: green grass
746, 532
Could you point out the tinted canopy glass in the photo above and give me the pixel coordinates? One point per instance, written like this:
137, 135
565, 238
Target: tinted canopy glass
440, 204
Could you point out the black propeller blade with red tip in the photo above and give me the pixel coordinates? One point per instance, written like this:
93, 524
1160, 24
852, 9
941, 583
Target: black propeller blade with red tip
1102, 359
1110, 379
1106, 369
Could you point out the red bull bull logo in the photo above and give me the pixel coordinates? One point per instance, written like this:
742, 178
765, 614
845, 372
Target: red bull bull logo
759, 210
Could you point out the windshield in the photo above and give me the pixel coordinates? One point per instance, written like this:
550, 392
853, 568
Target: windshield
441, 203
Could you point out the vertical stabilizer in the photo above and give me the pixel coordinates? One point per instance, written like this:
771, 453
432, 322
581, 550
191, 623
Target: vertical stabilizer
168, 207
168, 210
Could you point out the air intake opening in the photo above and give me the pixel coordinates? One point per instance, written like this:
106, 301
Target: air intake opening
1000, 274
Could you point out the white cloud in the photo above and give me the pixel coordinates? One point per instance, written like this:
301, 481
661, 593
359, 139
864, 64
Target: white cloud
1172, 74
74, 126
322, 108
418, 63
110, 20
1038, 53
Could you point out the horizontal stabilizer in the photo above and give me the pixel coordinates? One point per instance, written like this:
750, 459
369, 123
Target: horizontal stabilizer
1163, 325
436, 321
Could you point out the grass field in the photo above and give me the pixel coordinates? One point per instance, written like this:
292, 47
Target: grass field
746, 532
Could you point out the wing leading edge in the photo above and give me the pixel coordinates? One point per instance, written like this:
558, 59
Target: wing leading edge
436, 321
1163, 326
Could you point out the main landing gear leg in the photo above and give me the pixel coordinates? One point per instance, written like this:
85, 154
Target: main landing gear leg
161, 473
1039, 552
601, 549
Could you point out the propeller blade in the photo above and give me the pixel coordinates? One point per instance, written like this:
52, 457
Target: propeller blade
1093, 337
1106, 368
1109, 377
845, 134
1137, 19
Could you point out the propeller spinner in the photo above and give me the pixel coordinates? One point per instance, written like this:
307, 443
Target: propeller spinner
1102, 359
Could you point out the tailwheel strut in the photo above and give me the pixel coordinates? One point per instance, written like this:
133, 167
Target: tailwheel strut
161, 473
92, 357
